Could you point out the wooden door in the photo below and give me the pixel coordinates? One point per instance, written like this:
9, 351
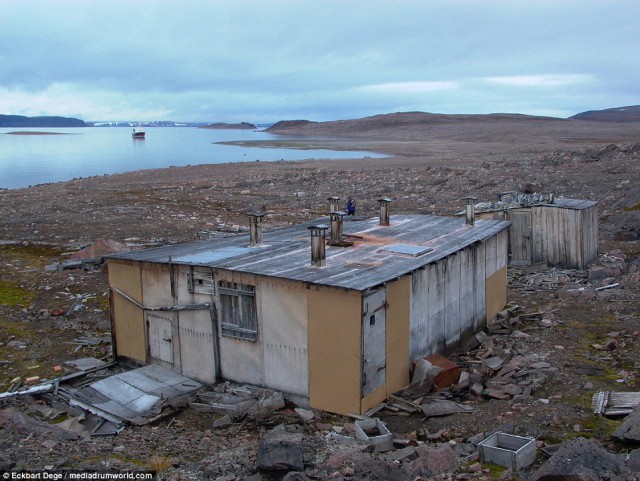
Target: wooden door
520, 238
160, 328
374, 349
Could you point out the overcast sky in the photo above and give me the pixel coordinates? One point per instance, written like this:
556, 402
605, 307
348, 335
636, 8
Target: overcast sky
268, 60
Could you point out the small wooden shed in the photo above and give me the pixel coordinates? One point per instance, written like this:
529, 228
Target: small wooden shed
334, 323
559, 232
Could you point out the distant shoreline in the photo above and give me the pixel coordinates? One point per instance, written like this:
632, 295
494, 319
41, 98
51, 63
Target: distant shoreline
33, 132
223, 126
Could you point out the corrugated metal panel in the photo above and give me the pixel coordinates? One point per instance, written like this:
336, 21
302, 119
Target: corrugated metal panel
286, 252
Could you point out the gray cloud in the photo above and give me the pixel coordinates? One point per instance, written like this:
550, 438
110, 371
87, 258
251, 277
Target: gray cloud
251, 60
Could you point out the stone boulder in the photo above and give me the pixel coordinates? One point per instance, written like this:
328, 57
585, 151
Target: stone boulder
629, 430
280, 451
583, 460
436, 461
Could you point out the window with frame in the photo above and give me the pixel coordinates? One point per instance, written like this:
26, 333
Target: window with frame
239, 316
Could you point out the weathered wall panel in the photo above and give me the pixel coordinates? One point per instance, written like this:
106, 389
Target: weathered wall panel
467, 286
335, 350
452, 319
496, 293
129, 328
398, 313
590, 238
479, 291
156, 285
284, 311
427, 323
565, 238
125, 276
196, 342
496, 283
491, 256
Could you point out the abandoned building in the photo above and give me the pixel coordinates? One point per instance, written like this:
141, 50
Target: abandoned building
558, 232
331, 315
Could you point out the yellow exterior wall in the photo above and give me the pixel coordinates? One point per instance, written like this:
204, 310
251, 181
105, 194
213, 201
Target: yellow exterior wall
372, 399
128, 318
398, 314
335, 350
496, 292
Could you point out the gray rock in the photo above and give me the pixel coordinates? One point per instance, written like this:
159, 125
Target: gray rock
633, 461
223, 422
305, 414
476, 439
435, 461
280, 451
295, 476
583, 460
405, 454
254, 477
629, 430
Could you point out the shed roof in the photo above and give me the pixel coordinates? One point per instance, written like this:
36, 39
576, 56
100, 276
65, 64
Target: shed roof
379, 254
575, 204
510, 204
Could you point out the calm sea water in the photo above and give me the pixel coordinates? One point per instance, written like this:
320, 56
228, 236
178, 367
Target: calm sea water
83, 152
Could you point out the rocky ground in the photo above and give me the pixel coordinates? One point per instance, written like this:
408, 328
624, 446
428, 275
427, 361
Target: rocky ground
586, 339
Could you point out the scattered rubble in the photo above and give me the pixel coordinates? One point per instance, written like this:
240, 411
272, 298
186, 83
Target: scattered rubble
239, 402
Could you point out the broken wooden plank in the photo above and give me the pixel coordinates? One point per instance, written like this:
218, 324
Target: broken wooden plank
375, 409
609, 403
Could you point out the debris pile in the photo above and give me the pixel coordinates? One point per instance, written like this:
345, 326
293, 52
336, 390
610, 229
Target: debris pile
526, 280
236, 403
514, 200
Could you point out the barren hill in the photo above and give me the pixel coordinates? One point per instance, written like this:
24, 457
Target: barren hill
618, 114
469, 133
51, 121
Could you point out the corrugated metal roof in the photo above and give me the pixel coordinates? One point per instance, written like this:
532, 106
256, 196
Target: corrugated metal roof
286, 252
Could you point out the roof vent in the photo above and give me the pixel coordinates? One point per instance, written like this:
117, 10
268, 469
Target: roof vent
384, 210
337, 225
334, 203
255, 228
471, 210
318, 255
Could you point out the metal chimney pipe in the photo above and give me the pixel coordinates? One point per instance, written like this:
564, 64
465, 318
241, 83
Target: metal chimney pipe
318, 255
334, 203
337, 225
255, 229
552, 198
471, 210
384, 210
